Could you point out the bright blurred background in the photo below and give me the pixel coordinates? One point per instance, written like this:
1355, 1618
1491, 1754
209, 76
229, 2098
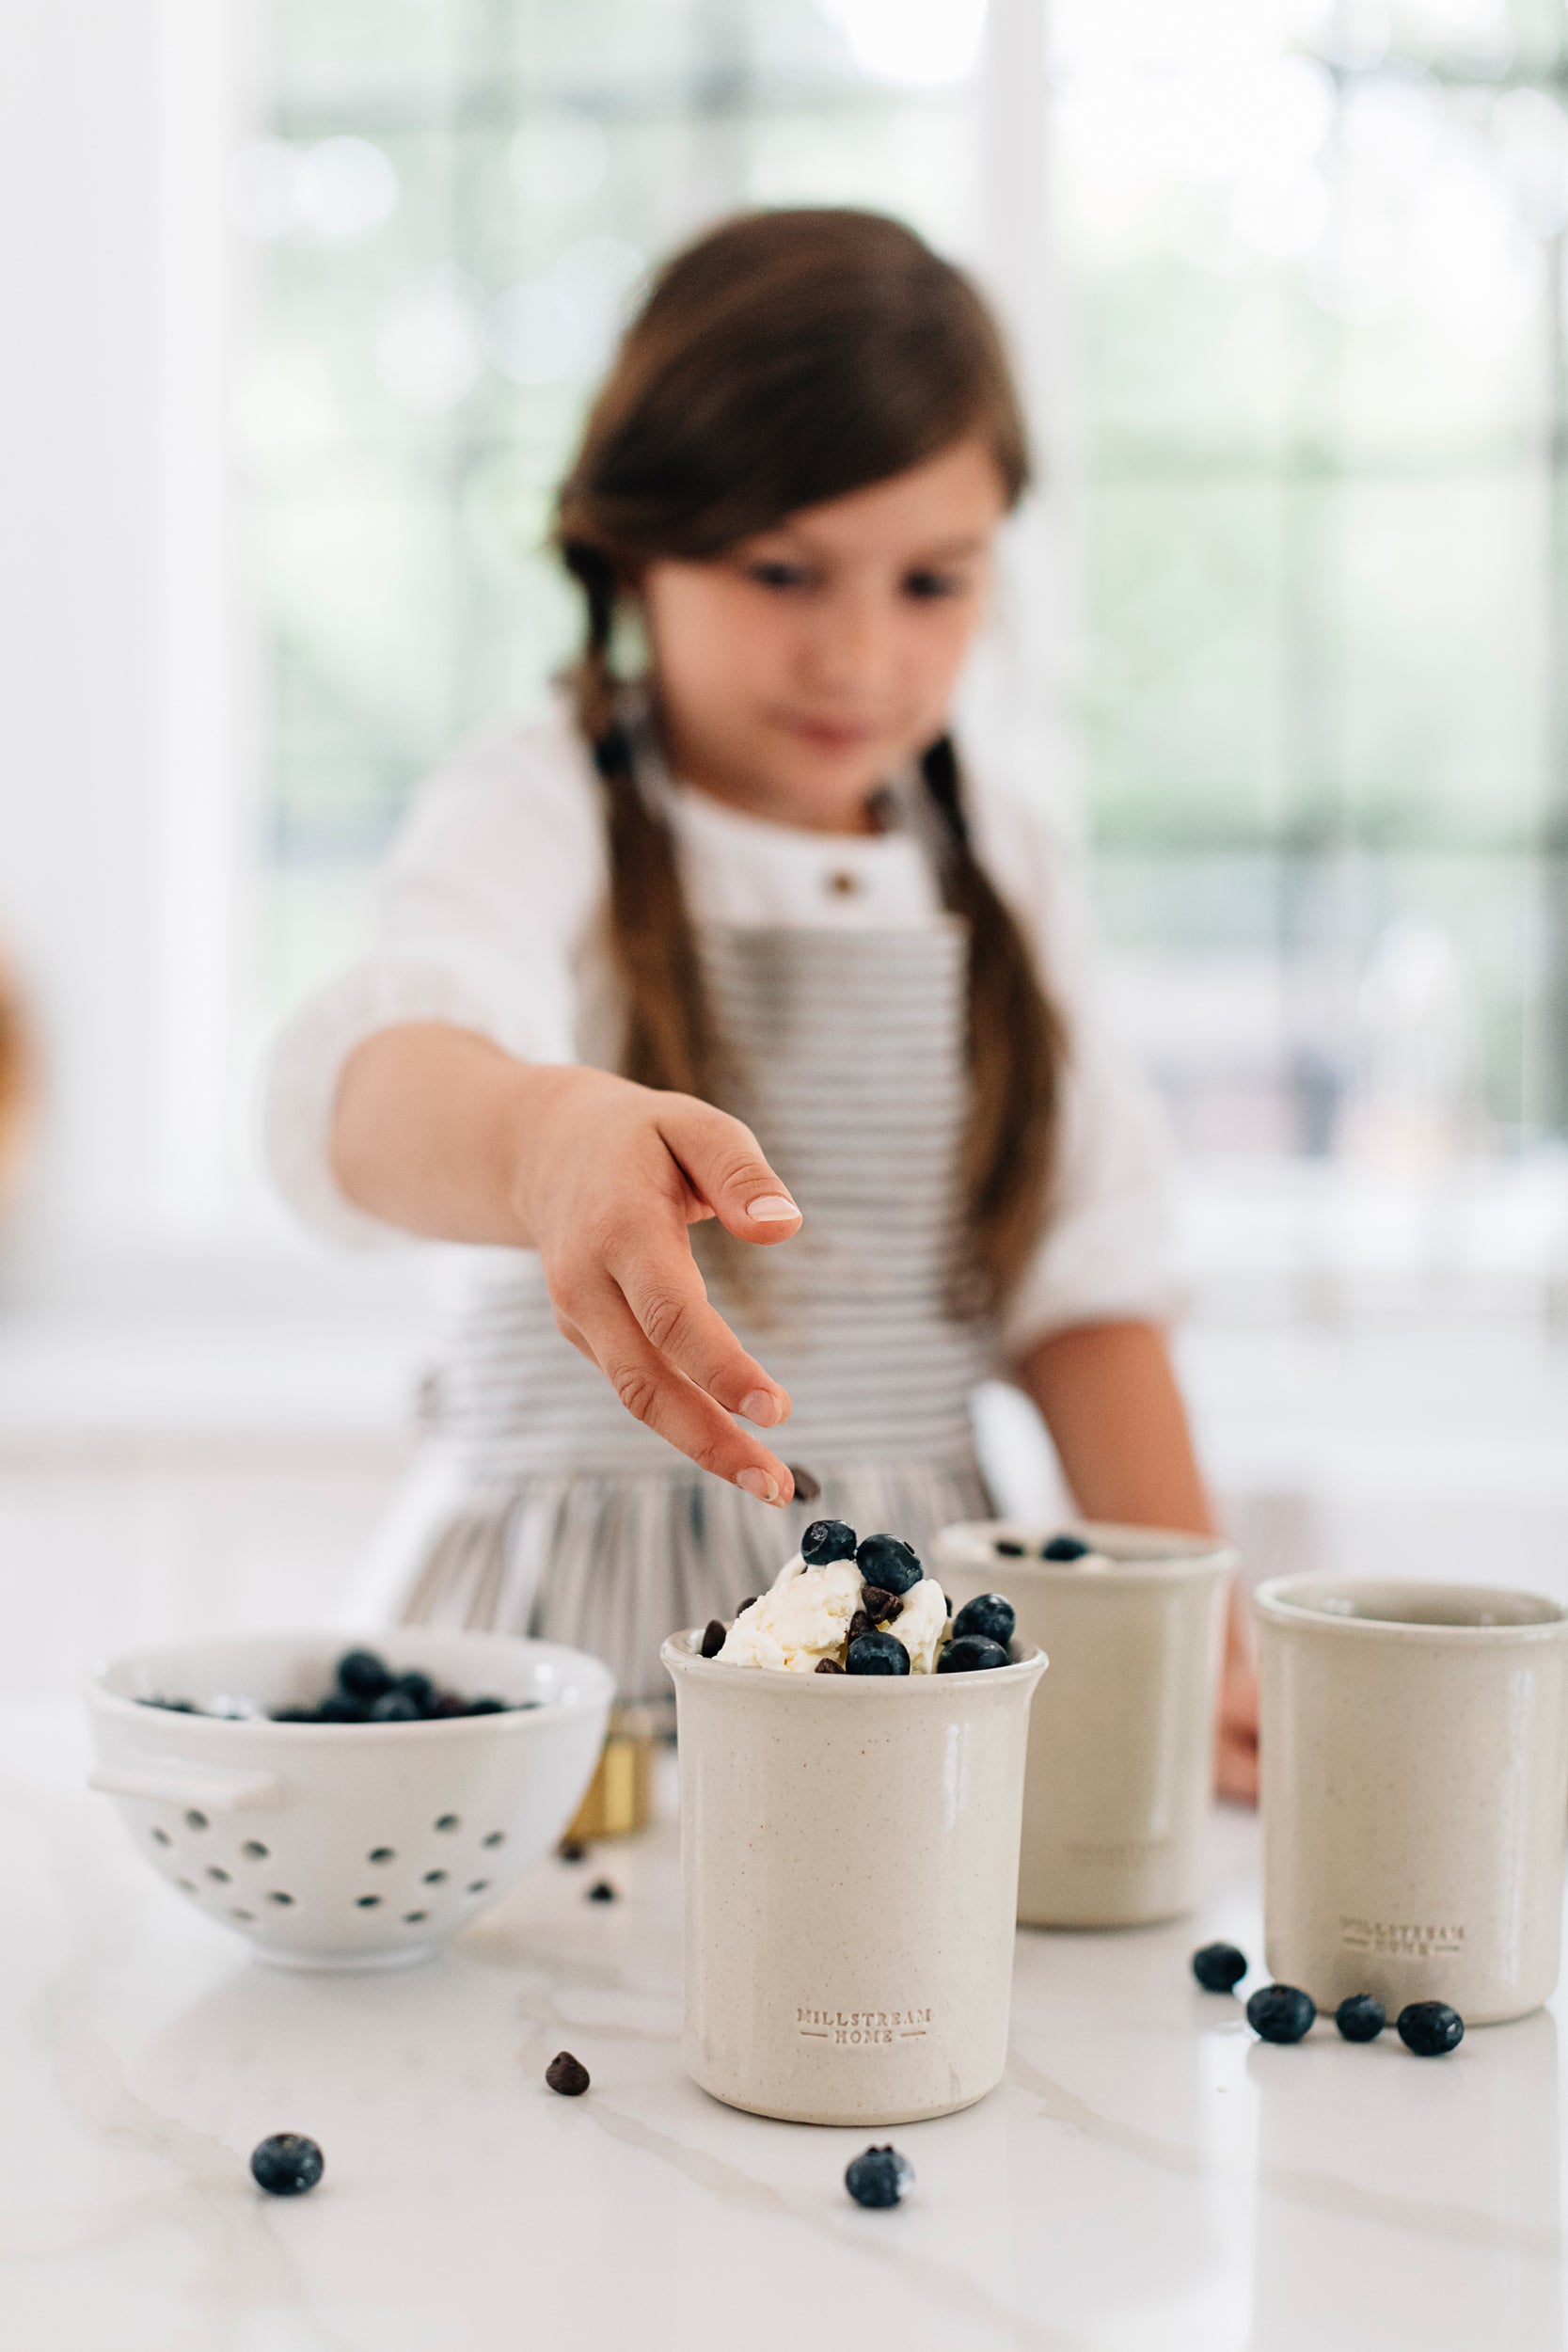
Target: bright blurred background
303, 298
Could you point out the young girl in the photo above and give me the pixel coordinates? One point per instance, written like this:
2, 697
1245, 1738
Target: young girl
729, 969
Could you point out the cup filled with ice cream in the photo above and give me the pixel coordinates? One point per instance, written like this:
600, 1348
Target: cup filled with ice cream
852, 1791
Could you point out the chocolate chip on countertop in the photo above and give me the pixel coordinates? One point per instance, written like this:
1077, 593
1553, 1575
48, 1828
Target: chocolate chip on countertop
829, 1666
713, 1640
572, 1850
568, 2074
807, 1488
879, 1606
601, 1892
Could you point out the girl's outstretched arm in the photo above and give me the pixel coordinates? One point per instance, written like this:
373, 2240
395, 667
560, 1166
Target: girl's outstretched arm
438, 1130
1110, 1399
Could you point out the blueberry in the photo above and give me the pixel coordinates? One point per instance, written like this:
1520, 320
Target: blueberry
1219, 1967
989, 1616
1063, 1547
601, 1892
361, 1674
334, 1709
1430, 2028
1360, 2018
294, 1715
884, 1560
486, 1707
286, 2165
968, 1652
396, 1707
879, 2177
418, 1688
825, 1540
1279, 2012
876, 1654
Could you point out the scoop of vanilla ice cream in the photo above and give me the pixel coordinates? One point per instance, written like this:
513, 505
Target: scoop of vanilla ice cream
802, 1618
921, 1624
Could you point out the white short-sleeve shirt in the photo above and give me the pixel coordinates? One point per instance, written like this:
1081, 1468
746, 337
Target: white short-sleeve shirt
492, 915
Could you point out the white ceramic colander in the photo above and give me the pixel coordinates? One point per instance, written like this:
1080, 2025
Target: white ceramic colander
351, 1845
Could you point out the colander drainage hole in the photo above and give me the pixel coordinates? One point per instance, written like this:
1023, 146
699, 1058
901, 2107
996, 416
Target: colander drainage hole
412, 1918
162, 1837
450, 1821
214, 1872
254, 1850
368, 1902
278, 1896
496, 1837
436, 1878
478, 1886
194, 1819
381, 1853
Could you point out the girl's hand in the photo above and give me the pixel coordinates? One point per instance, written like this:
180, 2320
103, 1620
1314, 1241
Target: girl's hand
1236, 1743
608, 1177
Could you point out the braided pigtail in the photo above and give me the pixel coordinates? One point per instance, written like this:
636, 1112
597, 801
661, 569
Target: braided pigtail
669, 1040
1017, 1048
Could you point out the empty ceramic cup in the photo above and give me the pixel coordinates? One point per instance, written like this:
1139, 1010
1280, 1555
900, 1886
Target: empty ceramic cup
1414, 1747
849, 1870
1120, 1764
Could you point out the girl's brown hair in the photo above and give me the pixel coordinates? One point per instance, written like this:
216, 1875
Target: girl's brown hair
783, 359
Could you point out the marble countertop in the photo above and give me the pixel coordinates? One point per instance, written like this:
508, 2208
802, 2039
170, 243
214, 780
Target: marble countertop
1146, 2179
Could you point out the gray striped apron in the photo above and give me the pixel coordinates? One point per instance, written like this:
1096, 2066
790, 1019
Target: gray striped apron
544, 1506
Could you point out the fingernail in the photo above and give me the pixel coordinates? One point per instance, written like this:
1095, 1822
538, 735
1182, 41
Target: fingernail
758, 1482
760, 1407
773, 1208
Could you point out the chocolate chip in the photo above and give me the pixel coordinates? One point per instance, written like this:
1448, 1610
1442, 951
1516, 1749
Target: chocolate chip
568, 2074
747, 1603
713, 1640
807, 1488
861, 1623
601, 1892
829, 1666
572, 1850
879, 1606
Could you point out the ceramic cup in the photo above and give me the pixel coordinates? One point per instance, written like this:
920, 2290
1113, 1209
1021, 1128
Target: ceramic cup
1414, 1742
1121, 1757
849, 1870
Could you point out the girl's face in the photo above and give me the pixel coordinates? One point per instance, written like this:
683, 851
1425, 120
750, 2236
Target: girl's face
799, 670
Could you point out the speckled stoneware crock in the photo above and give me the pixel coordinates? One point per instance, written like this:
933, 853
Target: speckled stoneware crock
1121, 1762
1415, 1746
849, 1866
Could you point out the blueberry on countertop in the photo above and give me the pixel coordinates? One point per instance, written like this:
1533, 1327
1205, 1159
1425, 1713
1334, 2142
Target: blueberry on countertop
884, 1560
986, 1614
879, 2177
1360, 2018
287, 2164
1065, 1548
969, 1653
1430, 2028
876, 1654
363, 1676
825, 1540
1280, 2012
1219, 1967
568, 2074
601, 1892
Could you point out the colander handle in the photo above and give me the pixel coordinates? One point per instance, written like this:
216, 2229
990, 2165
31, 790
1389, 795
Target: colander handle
209, 1792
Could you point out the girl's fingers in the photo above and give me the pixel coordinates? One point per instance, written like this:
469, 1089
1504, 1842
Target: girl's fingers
723, 1163
653, 1392
661, 1285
